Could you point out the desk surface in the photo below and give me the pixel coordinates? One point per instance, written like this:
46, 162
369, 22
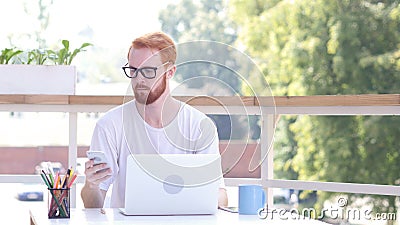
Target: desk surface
113, 216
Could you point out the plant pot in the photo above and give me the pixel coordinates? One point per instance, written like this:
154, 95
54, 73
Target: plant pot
37, 79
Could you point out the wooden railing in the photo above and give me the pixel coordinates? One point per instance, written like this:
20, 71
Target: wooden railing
279, 101
267, 107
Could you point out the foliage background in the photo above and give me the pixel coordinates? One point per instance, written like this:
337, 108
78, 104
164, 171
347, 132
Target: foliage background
328, 48
316, 47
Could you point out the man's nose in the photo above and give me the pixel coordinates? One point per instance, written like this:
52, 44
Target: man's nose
140, 82
139, 78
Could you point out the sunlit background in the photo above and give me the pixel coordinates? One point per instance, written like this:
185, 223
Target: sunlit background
109, 25
302, 47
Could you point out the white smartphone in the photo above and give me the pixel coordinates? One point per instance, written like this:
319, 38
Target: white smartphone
97, 156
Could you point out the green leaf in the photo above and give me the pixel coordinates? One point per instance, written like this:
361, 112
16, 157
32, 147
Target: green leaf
61, 56
12, 55
66, 44
76, 51
84, 45
39, 56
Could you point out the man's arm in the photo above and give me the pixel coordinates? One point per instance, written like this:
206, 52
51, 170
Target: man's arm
222, 198
92, 195
209, 143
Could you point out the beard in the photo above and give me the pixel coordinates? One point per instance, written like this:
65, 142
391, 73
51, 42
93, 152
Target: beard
149, 96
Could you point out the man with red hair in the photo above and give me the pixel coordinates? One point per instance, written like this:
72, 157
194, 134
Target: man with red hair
153, 123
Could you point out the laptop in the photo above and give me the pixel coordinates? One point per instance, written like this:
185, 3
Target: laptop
172, 184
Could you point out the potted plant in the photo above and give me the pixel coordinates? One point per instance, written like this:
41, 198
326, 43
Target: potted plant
39, 71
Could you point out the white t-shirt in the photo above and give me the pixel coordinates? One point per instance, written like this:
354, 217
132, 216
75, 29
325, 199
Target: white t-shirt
122, 131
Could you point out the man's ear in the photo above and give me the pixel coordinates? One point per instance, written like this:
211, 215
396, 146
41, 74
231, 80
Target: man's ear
171, 72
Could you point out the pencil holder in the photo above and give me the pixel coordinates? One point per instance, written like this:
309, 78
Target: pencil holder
58, 203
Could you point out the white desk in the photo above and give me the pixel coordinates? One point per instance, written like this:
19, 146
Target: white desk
112, 216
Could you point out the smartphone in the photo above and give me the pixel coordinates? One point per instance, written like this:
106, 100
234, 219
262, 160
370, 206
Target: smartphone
97, 156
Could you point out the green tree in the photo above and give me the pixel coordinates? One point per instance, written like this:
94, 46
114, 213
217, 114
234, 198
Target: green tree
198, 20
190, 23
271, 45
332, 47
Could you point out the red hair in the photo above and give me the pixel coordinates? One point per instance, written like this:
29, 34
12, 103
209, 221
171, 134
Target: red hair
158, 41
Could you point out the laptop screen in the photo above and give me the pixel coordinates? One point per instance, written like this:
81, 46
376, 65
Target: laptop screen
172, 184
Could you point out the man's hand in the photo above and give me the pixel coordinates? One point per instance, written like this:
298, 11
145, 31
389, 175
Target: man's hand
91, 194
95, 174
222, 198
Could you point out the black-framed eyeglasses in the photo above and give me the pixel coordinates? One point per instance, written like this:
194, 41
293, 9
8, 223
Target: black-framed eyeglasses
147, 71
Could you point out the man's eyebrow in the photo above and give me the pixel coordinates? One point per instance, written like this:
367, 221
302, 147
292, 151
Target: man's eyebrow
143, 66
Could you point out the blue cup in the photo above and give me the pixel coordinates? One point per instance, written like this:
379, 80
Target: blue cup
251, 199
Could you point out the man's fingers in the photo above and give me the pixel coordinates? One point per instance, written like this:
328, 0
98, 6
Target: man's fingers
97, 175
89, 164
98, 181
90, 169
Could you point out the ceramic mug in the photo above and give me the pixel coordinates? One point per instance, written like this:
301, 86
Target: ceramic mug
251, 199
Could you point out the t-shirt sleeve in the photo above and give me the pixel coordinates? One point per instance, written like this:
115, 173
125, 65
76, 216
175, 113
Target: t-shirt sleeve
102, 140
208, 142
